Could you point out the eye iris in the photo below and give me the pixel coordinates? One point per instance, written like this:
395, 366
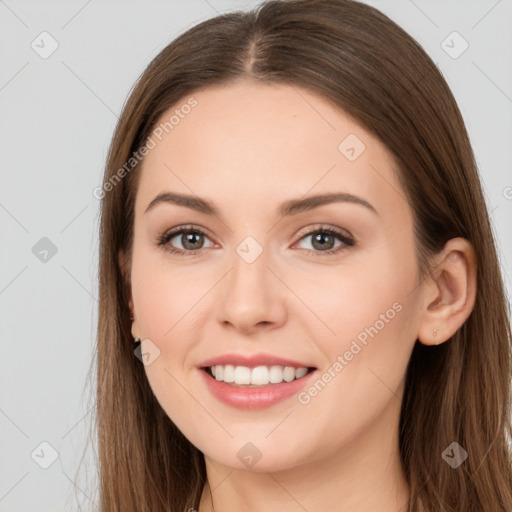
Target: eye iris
189, 237
193, 240
323, 245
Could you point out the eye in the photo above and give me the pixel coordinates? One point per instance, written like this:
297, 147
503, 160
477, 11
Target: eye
324, 239
190, 238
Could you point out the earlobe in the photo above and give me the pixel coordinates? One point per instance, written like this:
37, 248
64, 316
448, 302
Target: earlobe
449, 296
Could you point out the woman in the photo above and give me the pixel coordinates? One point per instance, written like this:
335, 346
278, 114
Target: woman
293, 232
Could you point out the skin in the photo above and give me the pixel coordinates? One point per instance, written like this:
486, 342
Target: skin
248, 147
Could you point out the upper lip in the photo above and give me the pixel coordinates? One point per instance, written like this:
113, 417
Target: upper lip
252, 361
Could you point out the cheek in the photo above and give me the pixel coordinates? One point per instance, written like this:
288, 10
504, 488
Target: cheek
351, 297
165, 296
167, 302
368, 312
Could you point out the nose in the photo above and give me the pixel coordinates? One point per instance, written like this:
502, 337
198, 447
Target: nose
252, 299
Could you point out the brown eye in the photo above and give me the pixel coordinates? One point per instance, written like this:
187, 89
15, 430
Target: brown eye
190, 239
323, 241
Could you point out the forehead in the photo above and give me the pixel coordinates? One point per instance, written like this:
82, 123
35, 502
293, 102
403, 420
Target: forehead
249, 143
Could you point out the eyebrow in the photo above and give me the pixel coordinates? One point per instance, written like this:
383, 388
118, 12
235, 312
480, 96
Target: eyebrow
290, 207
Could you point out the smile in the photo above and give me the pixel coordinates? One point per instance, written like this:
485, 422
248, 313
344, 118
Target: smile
258, 376
255, 388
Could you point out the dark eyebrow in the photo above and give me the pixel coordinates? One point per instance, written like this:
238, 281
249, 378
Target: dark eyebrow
290, 207
194, 203
295, 206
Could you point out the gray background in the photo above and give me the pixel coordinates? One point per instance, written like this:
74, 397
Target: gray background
56, 122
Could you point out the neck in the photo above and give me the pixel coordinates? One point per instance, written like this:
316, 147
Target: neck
362, 475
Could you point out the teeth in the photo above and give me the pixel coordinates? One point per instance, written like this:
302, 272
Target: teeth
229, 373
289, 374
276, 374
300, 372
242, 374
258, 376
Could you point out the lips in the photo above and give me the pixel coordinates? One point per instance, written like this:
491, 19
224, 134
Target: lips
253, 361
249, 395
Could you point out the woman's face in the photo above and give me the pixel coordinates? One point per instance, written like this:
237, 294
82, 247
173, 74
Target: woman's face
258, 284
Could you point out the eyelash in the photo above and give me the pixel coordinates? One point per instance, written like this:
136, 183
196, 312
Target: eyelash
165, 238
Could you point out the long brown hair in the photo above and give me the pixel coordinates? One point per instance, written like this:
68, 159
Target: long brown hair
356, 57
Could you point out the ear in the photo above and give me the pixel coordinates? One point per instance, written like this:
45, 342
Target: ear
449, 296
123, 265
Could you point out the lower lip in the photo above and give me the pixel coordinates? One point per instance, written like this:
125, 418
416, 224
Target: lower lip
254, 398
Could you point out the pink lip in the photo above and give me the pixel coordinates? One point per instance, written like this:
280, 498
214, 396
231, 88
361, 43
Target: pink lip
252, 361
254, 398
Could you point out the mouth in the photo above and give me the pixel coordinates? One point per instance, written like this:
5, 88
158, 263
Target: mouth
255, 381
256, 377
